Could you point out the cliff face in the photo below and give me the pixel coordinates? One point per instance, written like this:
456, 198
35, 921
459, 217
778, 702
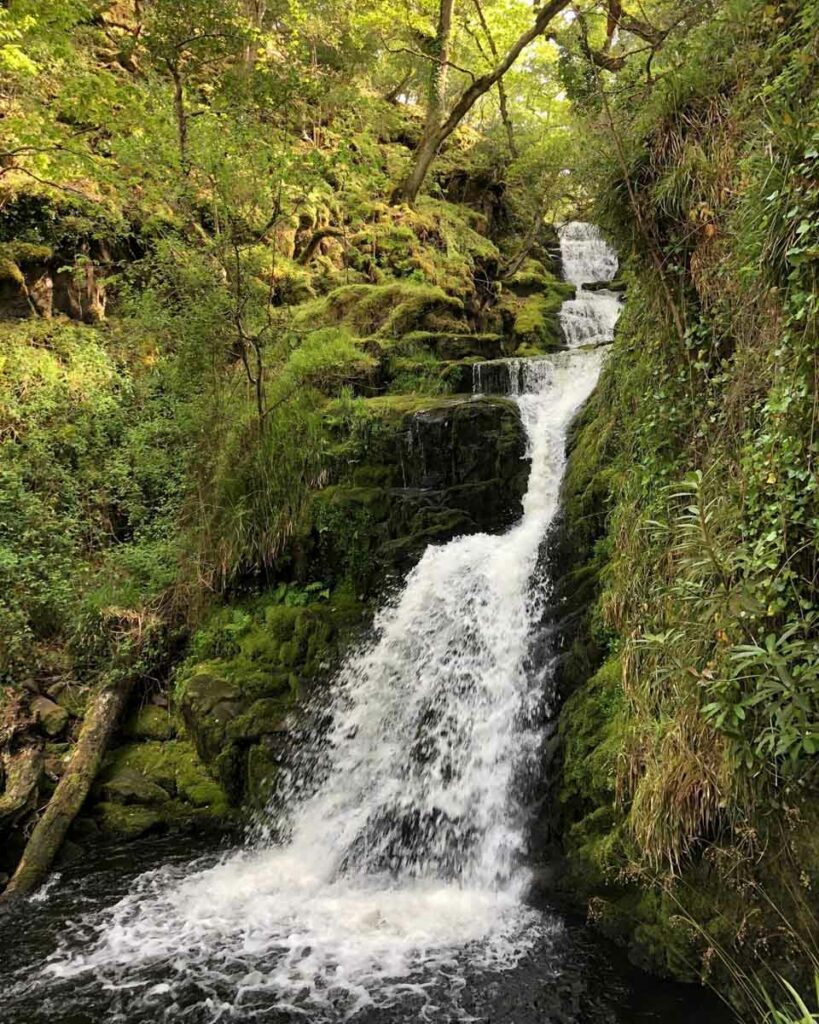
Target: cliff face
688, 547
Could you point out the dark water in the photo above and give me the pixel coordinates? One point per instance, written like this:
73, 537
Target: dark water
575, 978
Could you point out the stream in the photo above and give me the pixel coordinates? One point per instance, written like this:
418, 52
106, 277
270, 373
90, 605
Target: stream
398, 885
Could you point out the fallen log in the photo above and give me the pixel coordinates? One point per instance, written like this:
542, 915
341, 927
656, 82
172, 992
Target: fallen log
70, 794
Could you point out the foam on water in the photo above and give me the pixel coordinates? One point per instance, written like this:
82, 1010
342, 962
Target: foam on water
404, 858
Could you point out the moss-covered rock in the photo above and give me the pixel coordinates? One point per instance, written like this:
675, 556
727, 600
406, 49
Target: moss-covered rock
129, 786
533, 278
155, 784
529, 309
414, 471
150, 723
129, 822
51, 718
391, 309
248, 665
410, 471
451, 345
263, 761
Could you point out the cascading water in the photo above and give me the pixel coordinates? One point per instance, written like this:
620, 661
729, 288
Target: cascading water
406, 860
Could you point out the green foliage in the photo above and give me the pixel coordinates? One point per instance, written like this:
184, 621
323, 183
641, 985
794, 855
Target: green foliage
77, 476
701, 446
790, 1007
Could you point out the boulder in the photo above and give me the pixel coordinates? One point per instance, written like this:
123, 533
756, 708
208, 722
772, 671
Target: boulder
208, 706
129, 786
163, 783
127, 820
425, 470
150, 723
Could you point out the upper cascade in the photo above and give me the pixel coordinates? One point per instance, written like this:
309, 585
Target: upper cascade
590, 317
587, 257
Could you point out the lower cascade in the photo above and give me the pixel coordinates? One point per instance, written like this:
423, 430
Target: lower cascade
405, 845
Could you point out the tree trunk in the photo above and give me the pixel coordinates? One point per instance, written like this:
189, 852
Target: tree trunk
72, 789
181, 114
425, 153
436, 94
431, 142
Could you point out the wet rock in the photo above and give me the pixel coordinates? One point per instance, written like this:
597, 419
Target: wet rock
428, 469
499, 377
262, 768
70, 853
618, 286
461, 442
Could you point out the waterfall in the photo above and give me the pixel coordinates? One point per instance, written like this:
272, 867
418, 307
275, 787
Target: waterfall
405, 857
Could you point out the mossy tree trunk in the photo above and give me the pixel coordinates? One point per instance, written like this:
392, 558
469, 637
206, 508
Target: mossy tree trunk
439, 68
73, 788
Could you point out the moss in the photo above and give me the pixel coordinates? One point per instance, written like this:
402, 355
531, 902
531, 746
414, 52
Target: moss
129, 821
129, 786
438, 242
15, 255
592, 728
597, 837
152, 772
263, 717
531, 277
250, 664
27, 252
293, 282
532, 323
437, 527
531, 314
9, 271
279, 650
150, 723
441, 466
452, 345
662, 941
348, 523
73, 697
391, 309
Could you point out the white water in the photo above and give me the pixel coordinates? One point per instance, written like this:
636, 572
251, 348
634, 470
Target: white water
406, 861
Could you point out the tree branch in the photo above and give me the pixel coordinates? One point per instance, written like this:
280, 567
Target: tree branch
431, 59
504, 107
